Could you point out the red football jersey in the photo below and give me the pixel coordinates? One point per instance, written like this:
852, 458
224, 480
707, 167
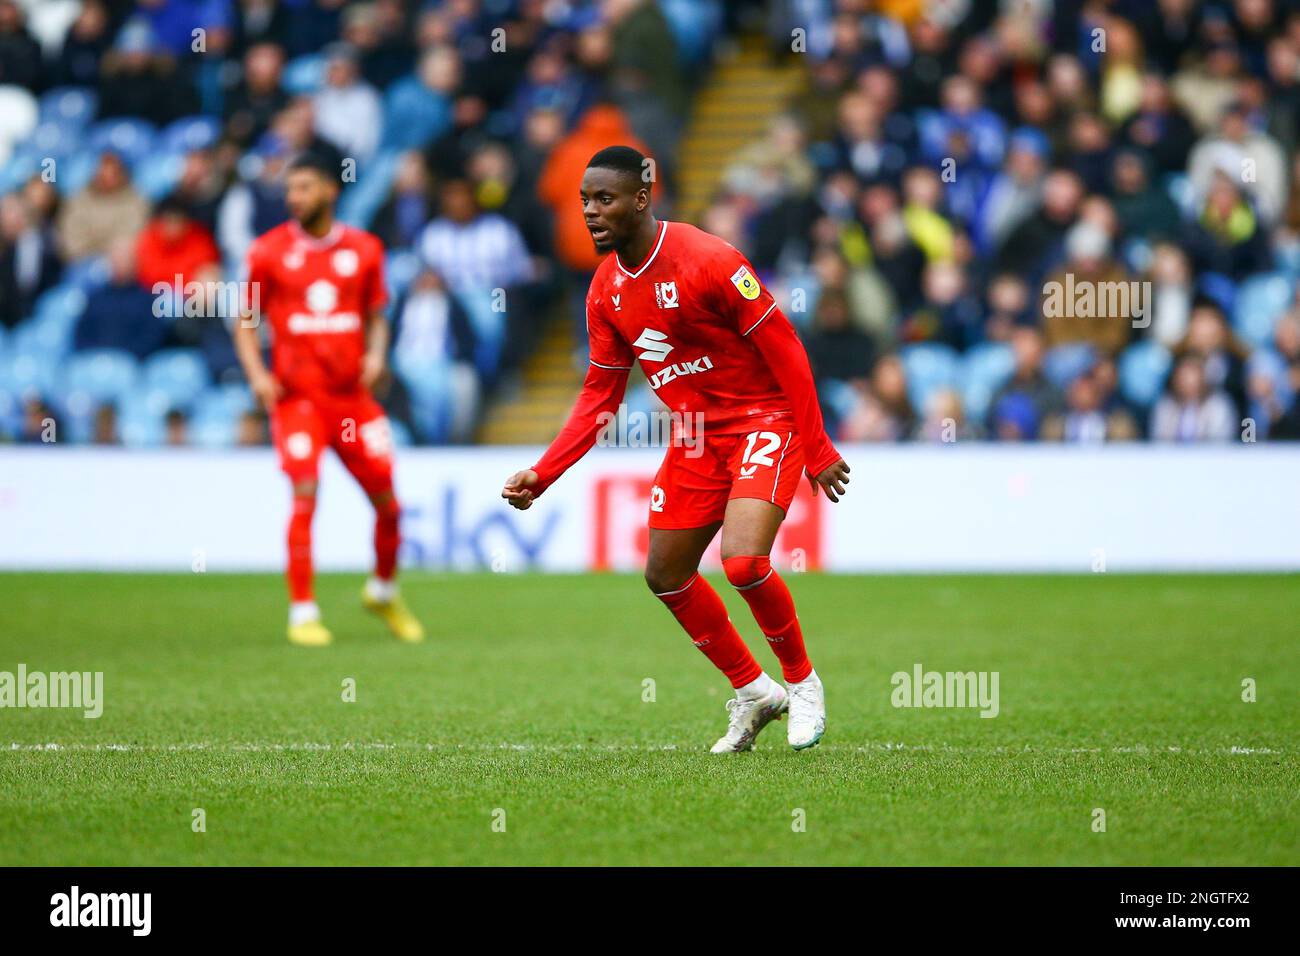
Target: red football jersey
685, 314
317, 295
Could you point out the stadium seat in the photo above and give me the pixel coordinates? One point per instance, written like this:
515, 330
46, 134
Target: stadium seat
132, 139
49, 335
142, 417
1180, 190
304, 75
223, 401
101, 375
190, 133
157, 175
401, 434
362, 199
1221, 289
75, 105
1269, 364
62, 302
85, 274
401, 266
179, 374
1063, 364
1261, 300
986, 368
1143, 368
25, 374
428, 384
75, 172
929, 368
838, 396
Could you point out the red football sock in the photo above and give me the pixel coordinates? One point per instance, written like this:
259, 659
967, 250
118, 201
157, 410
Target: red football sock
300, 571
387, 537
703, 616
773, 608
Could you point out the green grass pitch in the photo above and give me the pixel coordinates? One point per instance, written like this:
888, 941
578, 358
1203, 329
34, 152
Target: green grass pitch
526, 707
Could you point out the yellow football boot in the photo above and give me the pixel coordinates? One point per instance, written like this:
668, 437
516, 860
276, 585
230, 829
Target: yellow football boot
396, 615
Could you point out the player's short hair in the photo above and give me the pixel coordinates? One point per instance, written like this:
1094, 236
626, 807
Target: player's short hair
623, 159
317, 163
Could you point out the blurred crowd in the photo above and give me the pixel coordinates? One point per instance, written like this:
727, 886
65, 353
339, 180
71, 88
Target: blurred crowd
944, 164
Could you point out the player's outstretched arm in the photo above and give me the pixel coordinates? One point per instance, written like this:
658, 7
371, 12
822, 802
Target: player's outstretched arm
784, 354
597, 402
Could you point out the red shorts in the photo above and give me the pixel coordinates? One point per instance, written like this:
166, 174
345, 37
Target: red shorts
354, 426
692, 489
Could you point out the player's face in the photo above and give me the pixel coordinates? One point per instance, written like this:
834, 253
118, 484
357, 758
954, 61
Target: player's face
613, 204
307, 194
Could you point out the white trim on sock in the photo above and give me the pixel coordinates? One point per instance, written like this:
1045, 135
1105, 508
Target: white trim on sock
303, 612
756, 689
377, 589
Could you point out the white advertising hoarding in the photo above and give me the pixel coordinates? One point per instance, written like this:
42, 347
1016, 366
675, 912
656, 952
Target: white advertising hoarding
909, 508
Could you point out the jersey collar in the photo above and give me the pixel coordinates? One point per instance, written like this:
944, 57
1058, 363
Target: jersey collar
663, 231
307, 239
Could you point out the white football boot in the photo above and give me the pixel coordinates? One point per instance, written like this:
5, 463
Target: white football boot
807, 712
748, 717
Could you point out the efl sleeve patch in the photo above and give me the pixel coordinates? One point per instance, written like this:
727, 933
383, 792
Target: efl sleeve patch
745, 282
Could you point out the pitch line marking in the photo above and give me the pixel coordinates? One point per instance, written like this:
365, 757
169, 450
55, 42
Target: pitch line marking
311, 746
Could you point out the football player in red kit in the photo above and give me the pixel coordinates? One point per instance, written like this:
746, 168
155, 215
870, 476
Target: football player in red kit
320, 286
710, 339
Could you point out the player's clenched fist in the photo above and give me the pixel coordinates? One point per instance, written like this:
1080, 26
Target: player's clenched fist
517, 490
832, 480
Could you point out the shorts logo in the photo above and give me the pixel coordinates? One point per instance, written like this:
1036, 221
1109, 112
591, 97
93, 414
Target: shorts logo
666, 294
655, 344
746, 284
298, 445
656, 499
377, 438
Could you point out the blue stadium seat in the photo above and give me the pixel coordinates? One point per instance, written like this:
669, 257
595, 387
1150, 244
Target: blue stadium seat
1268, 363
401, 434
133, 139
1179, 188
142, 417
52, 139
489, 326
986, 368
929, 368
1143, 368
157, 175
85, 274
429, 386
401, 266
75, 172
1063, 364
190, 133
48, 335
62, 302
838, 396
1261, 301
76, 105
304, 75
362, 199
101, 375
25, 374
1219, 288
179, 374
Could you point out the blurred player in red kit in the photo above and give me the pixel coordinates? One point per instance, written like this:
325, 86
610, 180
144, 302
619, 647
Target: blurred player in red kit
710, 340
320, 286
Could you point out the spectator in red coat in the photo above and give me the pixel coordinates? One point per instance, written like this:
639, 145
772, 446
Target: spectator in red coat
173, 244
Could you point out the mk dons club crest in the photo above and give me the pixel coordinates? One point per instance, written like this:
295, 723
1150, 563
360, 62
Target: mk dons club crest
745, 282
